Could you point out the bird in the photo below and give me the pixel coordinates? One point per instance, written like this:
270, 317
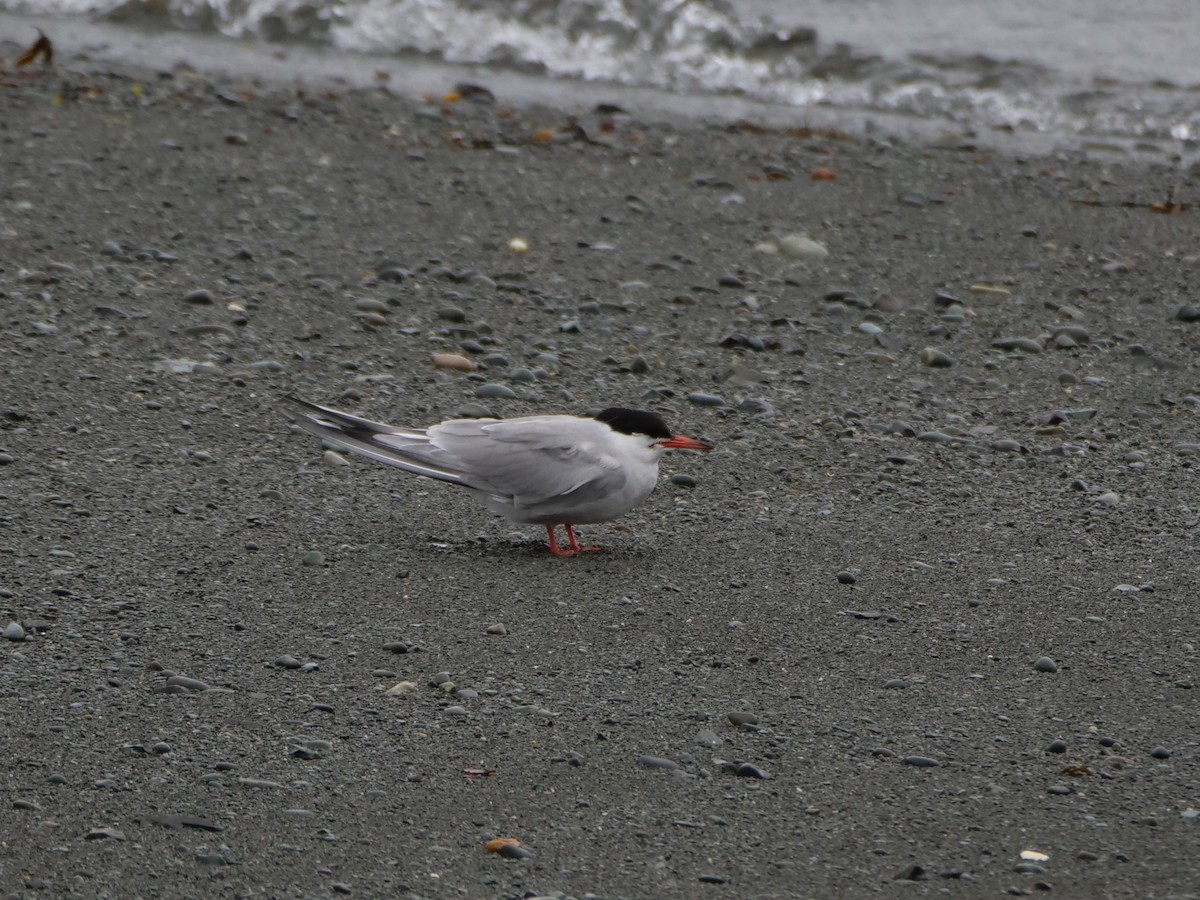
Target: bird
546, 470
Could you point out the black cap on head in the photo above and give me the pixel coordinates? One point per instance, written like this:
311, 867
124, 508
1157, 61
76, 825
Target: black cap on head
634, 421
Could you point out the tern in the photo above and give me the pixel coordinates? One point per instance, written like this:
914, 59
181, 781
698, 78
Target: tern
535, 470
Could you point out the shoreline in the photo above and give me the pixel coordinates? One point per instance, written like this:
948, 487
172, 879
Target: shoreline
94, 45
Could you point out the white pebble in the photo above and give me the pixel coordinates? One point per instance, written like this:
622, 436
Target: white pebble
802, 246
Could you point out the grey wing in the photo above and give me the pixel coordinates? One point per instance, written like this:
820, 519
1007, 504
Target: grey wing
535, 462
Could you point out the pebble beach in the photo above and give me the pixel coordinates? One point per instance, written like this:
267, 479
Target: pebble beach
923, 623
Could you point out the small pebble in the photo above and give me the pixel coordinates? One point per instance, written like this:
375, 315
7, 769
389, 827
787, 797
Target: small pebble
682, 480
199, 297
1045, 664
740, 718
758, 406
515, 851
454, 361
935, 358
749, 770
920, 761
314, 558
936, 437
801, 246
1057, 747
1160, 753
96, 833
370, 304
1026, 345
494, 391
498, 628
846, 578
1078, 335
657, 762
189, 684
14, 632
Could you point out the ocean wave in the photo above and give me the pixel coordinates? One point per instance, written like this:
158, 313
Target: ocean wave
684, 46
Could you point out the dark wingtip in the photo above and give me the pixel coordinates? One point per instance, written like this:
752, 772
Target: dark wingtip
291, 405
634, 421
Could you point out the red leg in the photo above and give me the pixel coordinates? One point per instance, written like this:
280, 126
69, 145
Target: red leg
554, 548
574, 541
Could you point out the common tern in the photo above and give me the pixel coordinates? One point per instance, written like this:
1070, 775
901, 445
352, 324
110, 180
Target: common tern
536, 470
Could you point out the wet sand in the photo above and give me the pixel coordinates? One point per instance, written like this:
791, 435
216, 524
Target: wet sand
941, 569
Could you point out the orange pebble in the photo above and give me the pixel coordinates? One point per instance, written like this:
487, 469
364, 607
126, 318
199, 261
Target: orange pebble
495, 845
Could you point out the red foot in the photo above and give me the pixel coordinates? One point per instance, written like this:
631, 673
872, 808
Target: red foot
573, 545
575, 542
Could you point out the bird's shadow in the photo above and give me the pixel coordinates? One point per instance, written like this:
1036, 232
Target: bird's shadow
532, 548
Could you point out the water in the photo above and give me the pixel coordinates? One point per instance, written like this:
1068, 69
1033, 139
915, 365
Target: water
1081, 71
